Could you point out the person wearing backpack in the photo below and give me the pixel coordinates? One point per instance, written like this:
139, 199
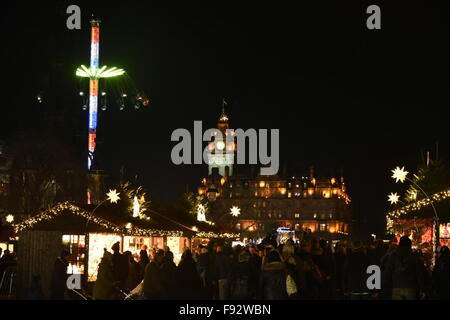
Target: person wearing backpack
441, 275
405, 272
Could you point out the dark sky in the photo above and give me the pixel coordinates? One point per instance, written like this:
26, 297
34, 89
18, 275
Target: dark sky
341, 95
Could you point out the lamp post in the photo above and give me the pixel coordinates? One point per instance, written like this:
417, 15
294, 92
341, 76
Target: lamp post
400, 175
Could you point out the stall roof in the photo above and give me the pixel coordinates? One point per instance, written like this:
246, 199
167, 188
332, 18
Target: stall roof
72, 218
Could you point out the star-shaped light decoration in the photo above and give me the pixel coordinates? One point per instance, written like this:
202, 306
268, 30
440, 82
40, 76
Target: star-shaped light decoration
235, 211
393, 198
399, 174
113, 196
10, 218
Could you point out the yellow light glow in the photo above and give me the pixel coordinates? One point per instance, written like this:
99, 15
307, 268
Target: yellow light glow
399, 174
97, 243
235, 211
262, 184
393, 198
113, 196
283, 191
10, 218
222, 181
220, 145
333, 180
136, 207
201, 210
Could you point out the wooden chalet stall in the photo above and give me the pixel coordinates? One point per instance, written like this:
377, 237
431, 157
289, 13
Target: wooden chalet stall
85, 231
417, 221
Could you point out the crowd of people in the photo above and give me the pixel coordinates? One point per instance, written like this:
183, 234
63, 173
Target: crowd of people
311, 269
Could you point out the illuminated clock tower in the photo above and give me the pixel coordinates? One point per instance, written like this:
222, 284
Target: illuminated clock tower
222, 153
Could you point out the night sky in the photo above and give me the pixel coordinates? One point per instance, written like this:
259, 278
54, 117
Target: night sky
342, 96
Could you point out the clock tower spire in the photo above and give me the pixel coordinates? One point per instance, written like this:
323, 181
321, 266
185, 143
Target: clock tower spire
222, 152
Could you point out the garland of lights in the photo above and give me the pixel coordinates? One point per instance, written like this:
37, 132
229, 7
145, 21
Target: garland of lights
415, 206
216, 235
64, 206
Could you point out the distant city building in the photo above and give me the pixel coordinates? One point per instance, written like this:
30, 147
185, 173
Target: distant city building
277, 202
5, 167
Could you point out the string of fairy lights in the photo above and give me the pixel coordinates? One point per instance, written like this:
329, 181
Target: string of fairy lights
67, 206
60, 208
216, 235
420, 204
400, 175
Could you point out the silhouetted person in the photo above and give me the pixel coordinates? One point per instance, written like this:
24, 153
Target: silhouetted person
169, 276
273, 278
405, 271
59, 277
104, 288
188, 280
143, 262
120, 266
133, 272
355, 273
153, 284
441, 275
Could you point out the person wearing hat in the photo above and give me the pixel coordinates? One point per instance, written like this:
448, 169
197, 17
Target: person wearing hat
355, 273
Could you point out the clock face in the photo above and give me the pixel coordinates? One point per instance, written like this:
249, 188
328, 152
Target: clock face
220, 145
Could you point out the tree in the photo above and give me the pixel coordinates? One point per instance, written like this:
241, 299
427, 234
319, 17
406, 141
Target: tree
432, 178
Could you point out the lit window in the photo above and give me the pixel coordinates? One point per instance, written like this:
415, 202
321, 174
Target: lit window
315, 215
76, 246
289, 195
322, 227
297, 215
